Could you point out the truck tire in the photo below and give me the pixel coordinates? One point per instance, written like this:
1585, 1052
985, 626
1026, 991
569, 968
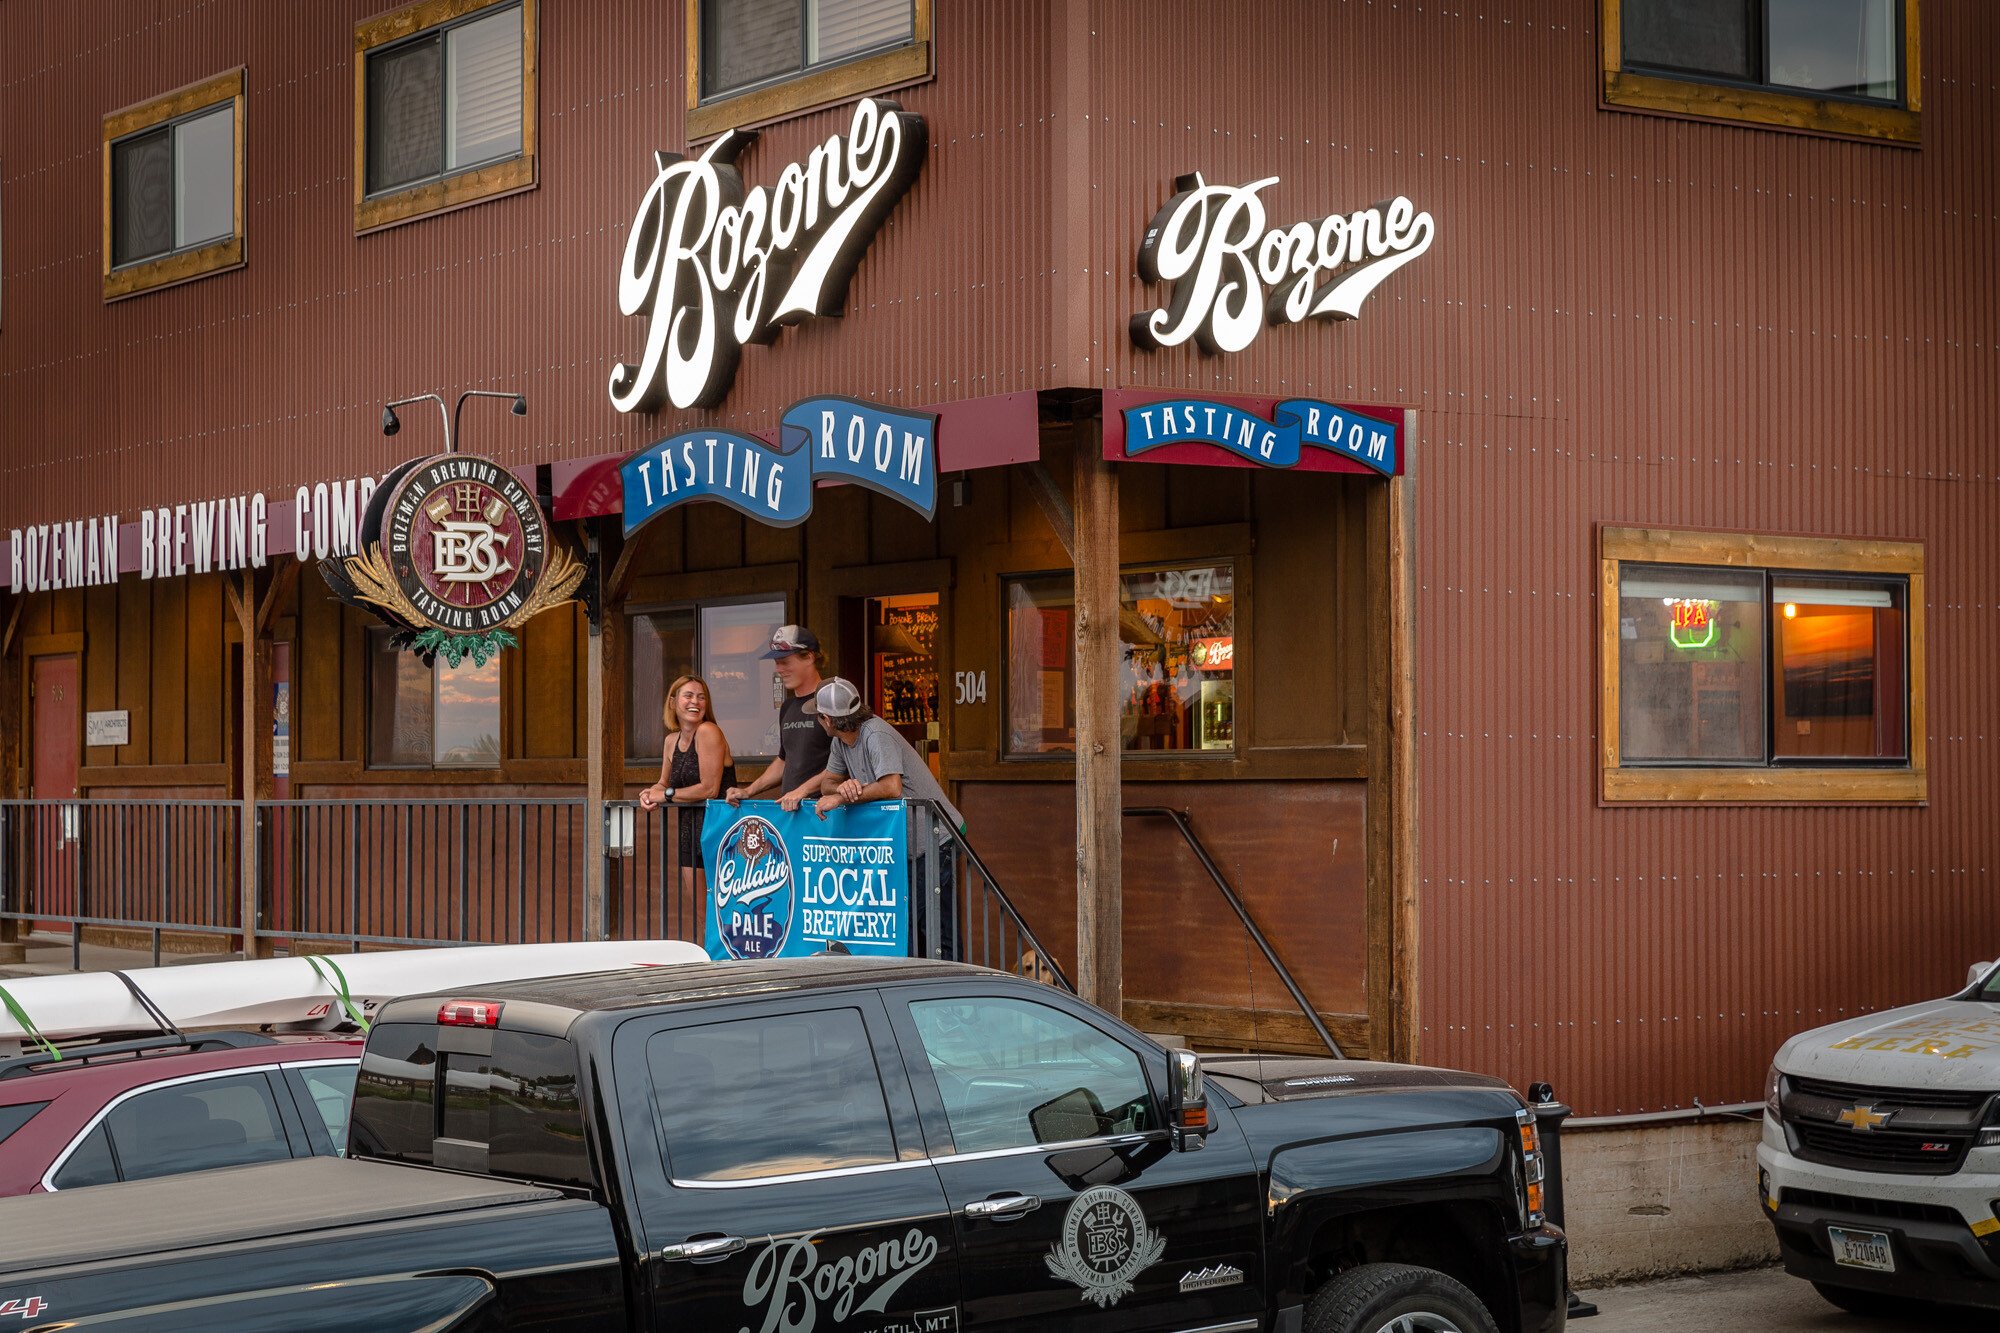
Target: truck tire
1396, 1298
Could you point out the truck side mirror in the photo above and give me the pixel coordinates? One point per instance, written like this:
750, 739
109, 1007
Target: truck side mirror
1977, 973
1187, 1101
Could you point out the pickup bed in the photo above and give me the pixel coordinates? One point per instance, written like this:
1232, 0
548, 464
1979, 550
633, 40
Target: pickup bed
827, 1144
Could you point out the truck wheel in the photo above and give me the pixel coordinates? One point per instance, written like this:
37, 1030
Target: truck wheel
1396, 1298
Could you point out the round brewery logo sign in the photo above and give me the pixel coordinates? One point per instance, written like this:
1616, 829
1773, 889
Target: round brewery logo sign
455, 553
464, 541
753, 889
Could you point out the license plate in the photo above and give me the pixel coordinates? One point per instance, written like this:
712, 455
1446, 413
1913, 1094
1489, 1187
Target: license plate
1862, 1249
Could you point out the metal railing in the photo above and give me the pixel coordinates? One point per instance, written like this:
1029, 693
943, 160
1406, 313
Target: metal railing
137, 865
1179, 820
453, 871
650, 891
490, 871
960, 910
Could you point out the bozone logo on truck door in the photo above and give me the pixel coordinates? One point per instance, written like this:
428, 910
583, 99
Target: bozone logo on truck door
753, 890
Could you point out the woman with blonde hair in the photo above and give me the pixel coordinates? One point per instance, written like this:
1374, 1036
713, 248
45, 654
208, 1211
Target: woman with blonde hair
695, 768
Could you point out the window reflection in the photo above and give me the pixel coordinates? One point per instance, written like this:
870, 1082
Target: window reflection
1177, 647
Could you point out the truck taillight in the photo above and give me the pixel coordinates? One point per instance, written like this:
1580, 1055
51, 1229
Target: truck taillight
469, 1014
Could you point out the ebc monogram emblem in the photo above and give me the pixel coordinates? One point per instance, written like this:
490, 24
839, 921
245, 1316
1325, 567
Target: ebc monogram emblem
455, 554
460, 535
753, 889
1105, 1244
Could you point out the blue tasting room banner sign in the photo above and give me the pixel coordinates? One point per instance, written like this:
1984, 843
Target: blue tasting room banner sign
1296, 424
787, 884
819, 439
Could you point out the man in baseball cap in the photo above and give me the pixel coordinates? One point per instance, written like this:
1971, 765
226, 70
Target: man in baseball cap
802, 745
870, 761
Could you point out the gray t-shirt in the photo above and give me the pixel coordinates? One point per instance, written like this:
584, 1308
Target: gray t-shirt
879, 750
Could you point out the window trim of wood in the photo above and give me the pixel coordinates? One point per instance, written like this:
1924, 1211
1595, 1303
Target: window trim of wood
176, 266
1787, 785
808, 90
1764, 106
459, 189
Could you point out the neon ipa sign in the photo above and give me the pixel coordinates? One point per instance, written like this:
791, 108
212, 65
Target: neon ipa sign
1691, 621
716, 267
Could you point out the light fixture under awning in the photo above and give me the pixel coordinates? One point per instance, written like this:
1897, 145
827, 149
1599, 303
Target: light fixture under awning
1878, 597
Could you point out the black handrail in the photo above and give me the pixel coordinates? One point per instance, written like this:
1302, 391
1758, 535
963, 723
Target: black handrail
999, 894
1179, 820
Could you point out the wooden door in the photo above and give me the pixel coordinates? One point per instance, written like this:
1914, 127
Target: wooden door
55, 740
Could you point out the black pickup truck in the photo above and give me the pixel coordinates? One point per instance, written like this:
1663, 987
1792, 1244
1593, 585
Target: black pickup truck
826, 1144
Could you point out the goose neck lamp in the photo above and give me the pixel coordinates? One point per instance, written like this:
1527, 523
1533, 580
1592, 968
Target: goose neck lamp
391, 423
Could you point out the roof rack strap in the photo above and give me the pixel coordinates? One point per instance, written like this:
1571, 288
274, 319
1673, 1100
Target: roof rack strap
20, 1016
338, 982
146, 1003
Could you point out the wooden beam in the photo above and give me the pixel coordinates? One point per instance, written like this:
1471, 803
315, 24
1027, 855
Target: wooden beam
256, 670
13, 624
596, 903
1099, 837
281, 588
1055, 505
1403, 1026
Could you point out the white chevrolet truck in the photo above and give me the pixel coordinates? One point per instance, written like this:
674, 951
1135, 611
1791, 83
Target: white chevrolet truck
1880, 1163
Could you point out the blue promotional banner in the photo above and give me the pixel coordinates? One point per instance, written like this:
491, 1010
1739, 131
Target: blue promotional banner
1295, 424
820, 439
785, 884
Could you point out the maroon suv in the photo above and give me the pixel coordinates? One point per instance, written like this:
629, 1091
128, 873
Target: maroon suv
158, 1106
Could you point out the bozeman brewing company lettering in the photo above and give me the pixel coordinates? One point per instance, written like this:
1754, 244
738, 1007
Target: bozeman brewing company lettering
716, 268
1232, 274
457, 554
171, 541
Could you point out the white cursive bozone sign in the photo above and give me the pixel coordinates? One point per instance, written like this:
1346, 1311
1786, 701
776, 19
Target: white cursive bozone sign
1232, 274
716, 268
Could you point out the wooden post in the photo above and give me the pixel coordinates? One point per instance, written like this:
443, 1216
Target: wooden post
13, 763
1099, 837
1403, 964
256, 671
596, 903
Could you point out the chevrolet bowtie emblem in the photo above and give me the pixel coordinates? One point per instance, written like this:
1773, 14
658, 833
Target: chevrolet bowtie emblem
1865, 1117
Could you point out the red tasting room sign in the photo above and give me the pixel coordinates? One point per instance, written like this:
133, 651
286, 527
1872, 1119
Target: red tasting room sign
456, 553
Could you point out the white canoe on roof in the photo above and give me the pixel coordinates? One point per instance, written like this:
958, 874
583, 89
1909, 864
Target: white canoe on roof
291, 991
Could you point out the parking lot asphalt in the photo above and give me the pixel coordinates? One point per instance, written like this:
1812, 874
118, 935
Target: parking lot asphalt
1759, 1300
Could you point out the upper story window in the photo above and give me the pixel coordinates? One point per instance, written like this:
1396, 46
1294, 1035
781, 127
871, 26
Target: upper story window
758, 60
1762, 668
173, 187
1835, 66
446, 114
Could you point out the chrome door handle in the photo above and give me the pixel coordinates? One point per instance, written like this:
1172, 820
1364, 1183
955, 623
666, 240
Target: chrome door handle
704, 1249
1003, 1207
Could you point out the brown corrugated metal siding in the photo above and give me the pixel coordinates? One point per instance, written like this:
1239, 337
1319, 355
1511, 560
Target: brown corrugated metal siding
1625, 319
275, 374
